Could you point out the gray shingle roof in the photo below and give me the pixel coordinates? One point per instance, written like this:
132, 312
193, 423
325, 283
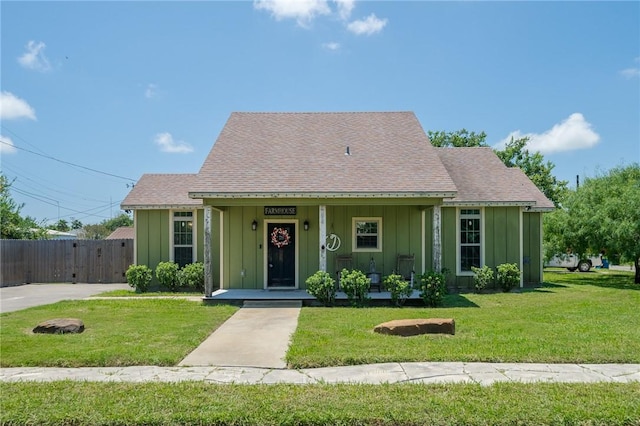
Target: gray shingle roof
481, 178
122, 233
303, 154
161, 191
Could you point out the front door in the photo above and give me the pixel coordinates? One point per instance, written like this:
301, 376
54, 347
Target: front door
281, 254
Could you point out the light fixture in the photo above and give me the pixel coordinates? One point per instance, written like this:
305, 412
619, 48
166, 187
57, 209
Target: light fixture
254, 225
306, 225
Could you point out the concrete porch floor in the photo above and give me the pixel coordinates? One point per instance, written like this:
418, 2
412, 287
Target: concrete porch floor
240, 295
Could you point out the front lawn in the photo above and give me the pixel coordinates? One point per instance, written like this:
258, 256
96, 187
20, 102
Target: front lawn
77, 403
574, 318
117, 333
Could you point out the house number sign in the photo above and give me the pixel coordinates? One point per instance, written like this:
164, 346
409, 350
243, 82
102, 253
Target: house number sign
280, 211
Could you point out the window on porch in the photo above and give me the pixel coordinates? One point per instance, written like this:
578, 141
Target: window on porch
367, 234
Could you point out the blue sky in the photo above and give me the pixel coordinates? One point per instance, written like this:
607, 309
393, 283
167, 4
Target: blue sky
127, 88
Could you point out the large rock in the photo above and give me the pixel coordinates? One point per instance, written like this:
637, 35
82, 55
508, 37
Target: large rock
60, 326
413, 327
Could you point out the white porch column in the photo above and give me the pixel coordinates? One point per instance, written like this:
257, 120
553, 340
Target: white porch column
322, 226
208, 276
437, 238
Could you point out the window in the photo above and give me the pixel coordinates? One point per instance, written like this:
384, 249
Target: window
183, 238
367, 234
470, 239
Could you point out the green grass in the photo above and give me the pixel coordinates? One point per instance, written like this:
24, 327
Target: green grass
575, 318
66, 403
117, 333
132, 293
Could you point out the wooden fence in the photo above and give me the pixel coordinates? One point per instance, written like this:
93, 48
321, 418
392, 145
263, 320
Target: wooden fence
64, 261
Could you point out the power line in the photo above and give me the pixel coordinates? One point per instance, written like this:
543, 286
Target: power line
68, 162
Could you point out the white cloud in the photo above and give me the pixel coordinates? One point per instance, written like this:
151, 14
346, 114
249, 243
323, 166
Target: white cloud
344, 8
630, 73
370, 25
331, 46
151, 91
12, 107
572, 134
34, 58
6, 145
303, 11
167, 144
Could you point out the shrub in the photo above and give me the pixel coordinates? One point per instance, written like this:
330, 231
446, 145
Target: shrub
167, 275
139, 277
356, 285
321, 286
482, 277
192, 276
508, 276
432, 288
399, 288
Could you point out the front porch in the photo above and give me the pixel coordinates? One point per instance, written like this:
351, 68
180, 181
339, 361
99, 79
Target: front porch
236, 296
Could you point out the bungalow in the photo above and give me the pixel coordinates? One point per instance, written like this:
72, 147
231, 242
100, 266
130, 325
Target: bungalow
283, 195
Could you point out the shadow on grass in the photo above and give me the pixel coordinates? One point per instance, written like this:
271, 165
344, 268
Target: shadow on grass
601, 278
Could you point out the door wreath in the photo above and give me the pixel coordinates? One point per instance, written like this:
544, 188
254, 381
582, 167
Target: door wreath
280, 237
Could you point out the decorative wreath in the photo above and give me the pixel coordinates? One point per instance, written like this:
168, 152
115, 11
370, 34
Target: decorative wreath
280, 237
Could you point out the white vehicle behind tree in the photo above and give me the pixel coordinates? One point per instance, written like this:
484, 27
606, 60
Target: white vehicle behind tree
572, 262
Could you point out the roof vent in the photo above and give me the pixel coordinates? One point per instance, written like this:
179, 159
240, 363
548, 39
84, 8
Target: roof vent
348, 151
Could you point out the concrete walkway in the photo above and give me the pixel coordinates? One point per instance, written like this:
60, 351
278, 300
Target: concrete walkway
406, 372
257, 335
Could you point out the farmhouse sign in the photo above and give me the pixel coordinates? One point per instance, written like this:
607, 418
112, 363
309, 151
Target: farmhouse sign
280, 211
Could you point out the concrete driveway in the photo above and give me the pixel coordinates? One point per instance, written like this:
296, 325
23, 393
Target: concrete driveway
26, 296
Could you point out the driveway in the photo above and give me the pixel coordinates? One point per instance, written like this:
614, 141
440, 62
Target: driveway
26, 296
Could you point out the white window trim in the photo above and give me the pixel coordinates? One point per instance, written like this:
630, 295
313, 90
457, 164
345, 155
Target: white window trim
194, 238
354, 247
459, 271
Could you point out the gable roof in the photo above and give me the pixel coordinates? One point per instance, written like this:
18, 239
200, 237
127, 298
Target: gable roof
161, 191
122, 233
304, 155
483, 179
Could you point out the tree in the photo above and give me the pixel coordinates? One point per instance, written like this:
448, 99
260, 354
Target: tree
61, 225
121, 220
76, 224
12, 224
103, 229
602, 215
459, 138
515, 154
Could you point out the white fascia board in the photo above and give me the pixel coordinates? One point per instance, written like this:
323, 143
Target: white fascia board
489, 203
228, 195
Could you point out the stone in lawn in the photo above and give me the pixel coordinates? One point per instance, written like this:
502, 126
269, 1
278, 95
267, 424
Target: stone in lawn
60, 326
414, 327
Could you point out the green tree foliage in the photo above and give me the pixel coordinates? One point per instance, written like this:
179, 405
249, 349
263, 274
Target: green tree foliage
459, 138
12, 225
602, 215
103, 229
76, 224
62, 225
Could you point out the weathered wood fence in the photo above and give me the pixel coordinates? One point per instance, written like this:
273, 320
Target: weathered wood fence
66, 261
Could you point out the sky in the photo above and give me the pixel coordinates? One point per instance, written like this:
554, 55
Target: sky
95, 94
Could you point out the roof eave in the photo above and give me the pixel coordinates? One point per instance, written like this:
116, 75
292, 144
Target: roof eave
160, 206
345, 195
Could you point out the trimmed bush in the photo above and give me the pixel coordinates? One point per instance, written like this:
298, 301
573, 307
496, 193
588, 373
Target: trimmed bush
192, 276
508, 276
399, 288
139, 277
432, 288
356, 285
482, 277
321, 286
167, 275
